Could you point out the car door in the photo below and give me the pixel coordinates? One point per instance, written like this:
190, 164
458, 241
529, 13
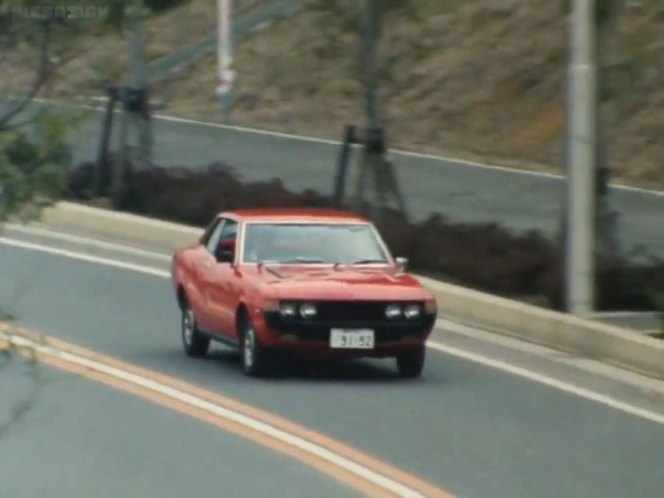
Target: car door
219, 285
205, 264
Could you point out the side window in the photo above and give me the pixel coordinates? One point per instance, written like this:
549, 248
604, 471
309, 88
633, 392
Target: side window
213, 241
225, 230
209, 231
229, 230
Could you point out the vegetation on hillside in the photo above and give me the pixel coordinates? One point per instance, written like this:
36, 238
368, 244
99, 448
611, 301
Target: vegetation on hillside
480, 79
34, 150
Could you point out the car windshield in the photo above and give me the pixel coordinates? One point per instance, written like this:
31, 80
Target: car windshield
306, 243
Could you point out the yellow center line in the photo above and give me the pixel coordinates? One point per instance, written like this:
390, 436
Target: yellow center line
355, 469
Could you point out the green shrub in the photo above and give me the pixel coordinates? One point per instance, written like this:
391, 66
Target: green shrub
33, 168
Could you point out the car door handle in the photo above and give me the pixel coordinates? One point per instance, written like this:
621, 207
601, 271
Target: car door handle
207, 264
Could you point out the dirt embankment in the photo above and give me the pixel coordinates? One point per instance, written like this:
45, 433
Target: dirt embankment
480, 79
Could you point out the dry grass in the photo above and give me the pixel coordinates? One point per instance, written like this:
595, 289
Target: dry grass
100, 53
480, 79
483, 81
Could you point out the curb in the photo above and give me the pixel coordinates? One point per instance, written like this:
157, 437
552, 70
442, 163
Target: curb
610, 344
618, 346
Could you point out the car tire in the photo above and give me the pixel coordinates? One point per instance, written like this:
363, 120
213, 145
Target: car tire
411, 364
254, 356
194, 344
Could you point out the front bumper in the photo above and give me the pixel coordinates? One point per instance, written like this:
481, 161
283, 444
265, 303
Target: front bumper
313, 338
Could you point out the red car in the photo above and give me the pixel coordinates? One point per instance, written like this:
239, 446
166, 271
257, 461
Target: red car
312, 282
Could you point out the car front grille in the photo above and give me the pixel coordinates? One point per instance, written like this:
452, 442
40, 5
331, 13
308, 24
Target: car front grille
350, 315
331, 311
354, 311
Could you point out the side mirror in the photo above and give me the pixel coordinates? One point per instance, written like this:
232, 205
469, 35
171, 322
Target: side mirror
402, 264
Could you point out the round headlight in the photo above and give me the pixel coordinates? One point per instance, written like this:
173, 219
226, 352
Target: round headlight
393, 311
308, 311
412, 311
288, 309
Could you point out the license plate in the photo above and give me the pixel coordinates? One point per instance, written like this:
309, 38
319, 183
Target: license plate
352, 339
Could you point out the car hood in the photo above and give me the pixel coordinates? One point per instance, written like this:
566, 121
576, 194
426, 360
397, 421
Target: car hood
343, 284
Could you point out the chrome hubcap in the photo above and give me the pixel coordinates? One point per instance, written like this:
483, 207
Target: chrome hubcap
249, 348
188, 326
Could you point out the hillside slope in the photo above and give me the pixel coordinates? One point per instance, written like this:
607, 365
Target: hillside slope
484, 80
479, 79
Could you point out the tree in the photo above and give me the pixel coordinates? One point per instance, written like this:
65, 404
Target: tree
364, 19
34, 155
34, 151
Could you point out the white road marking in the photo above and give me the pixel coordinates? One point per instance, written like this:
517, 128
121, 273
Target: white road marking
280, 435
85, 257
566, 359
550, 381
65, 237
417, 155
436, 346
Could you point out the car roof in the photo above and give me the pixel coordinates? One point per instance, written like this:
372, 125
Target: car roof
324, 215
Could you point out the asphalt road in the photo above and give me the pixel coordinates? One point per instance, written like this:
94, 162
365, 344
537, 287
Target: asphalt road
431, 185
475, 431
461, 192
81, 439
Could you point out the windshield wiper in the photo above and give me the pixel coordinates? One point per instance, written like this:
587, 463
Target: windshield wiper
267, 262
301, 260
368, 261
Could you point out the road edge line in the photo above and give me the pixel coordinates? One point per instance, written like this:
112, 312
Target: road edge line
432, 344
163, 385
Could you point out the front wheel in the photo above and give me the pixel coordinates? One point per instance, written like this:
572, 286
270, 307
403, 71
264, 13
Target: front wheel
254, 356
193, 342
411, 364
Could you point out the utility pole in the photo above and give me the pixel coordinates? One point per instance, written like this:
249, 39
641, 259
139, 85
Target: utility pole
226, 75
136, 95
581, 167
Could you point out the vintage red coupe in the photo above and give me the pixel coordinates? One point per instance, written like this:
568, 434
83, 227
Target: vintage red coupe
317, 283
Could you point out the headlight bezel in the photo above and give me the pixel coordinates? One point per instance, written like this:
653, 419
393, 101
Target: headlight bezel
412, 311
313, 311
397, 311
291, 309
288, 309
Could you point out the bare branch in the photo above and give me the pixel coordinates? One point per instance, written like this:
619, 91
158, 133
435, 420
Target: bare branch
42, 75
